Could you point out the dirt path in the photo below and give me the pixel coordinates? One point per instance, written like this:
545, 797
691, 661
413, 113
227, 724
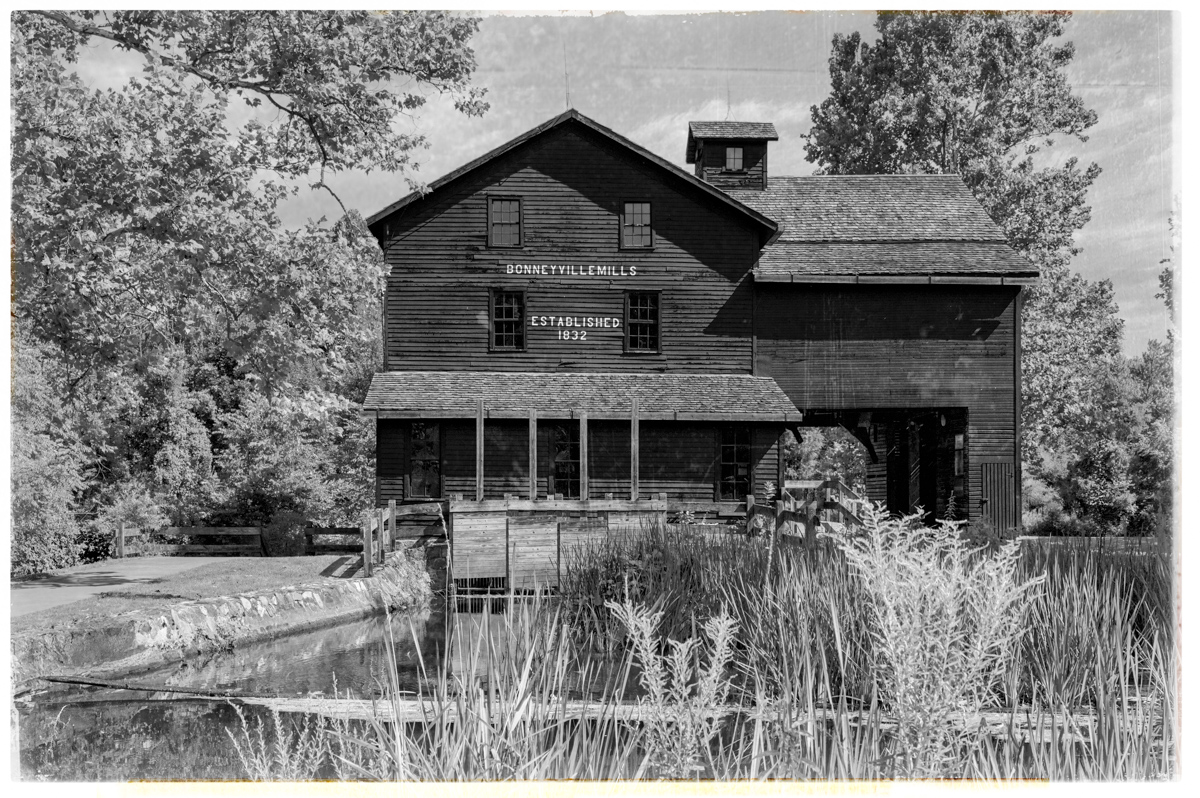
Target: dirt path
86, 581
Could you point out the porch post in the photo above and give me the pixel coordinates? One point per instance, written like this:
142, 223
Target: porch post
583, 455
533, 471
479, 452
633, 451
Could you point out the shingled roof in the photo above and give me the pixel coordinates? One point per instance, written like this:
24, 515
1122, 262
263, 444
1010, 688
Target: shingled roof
455, 394
759, 131
904, 225
786, 260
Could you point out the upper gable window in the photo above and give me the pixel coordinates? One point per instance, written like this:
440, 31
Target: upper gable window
504, 221
733, 159
636, 232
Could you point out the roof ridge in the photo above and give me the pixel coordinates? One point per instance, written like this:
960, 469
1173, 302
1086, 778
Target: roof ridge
856, 241
671, 374
950, 175
765, 223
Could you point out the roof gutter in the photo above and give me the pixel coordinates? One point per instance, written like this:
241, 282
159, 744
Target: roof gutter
898, 279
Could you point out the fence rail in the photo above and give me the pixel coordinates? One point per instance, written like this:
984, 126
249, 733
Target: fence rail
250, 548
379, 532
1114, 544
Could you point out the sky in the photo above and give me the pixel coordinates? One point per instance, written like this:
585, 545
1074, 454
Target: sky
646, 76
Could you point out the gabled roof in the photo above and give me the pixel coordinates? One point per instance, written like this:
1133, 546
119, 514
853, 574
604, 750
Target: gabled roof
909, 227
765, 226
757, 131
506, 394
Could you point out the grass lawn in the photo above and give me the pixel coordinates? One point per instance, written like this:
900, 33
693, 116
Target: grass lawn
235, 575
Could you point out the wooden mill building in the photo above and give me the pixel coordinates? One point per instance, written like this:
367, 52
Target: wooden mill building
572, 316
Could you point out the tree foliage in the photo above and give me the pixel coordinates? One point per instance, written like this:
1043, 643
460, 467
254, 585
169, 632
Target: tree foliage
204, 356
974, 94
986, 96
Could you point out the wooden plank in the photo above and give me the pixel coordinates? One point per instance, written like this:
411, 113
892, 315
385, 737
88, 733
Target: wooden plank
633, 451
533, 548
121, 541
383, 542
368, 554
409, 510
583, 455
356, 531
553, 505
1018, 500
479, 451
206, 548
533, 472
478, 545
208, 531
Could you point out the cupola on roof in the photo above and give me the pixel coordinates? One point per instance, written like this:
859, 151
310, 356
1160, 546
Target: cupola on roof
748, 131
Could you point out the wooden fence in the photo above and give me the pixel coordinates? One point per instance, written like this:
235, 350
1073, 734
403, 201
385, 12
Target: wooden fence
1109, 545
251, 547
379, 532
519, 543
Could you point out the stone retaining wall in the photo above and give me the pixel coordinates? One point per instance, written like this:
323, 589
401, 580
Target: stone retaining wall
143, 641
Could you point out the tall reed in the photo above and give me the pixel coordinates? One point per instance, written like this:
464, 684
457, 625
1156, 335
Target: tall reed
902, 652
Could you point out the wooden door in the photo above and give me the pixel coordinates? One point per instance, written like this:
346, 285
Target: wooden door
998, 495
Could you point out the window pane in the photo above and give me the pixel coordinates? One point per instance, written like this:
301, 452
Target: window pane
506, 223
508, 320
424, 468
635, 225
733, 158
565, 471
641, 324
734, 477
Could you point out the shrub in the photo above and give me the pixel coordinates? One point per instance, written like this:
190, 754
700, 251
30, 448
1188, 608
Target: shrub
946, 620
129, 503
283, 535
47, 474
686, 701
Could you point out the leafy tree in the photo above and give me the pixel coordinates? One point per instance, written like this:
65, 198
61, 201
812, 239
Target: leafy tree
49, 468
143, 217
979, 95
984, 96
1153, 374
152, 271
821, 452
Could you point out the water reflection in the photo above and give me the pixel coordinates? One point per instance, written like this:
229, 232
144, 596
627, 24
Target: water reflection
92, 734
305, 664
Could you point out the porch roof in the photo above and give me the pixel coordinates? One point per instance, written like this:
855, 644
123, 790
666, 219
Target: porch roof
682, 397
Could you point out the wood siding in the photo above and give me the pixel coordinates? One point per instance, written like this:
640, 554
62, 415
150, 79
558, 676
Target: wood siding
390, 461
898, 347
710, 166
478, 542
532, 552
573, 186
765, 450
